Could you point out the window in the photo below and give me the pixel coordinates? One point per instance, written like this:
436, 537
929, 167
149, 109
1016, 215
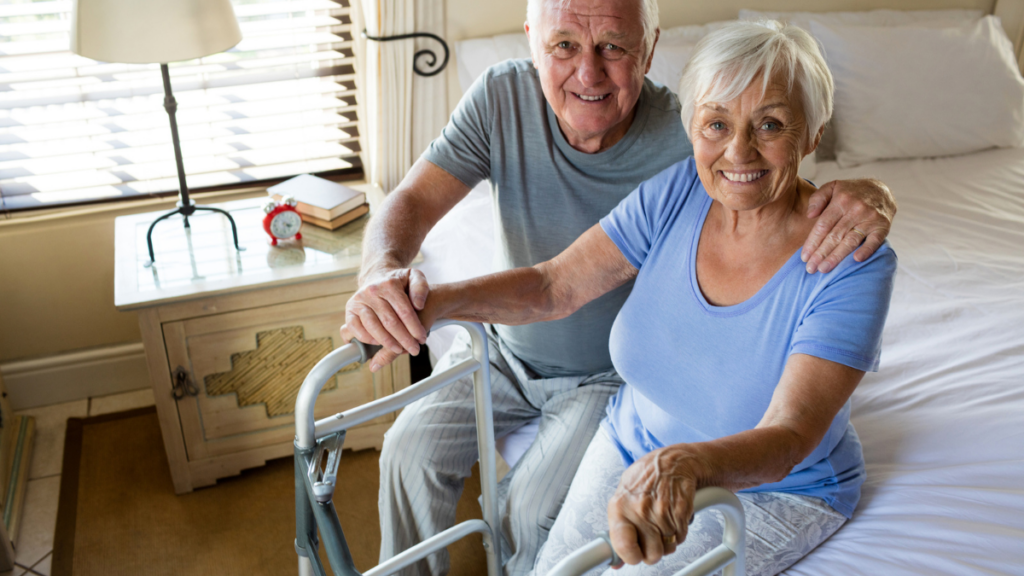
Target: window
73, 130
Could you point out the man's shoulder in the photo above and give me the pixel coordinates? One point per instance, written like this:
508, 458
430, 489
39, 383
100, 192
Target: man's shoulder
658, 97
514, 71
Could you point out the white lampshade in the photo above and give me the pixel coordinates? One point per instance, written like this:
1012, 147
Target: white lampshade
151, 31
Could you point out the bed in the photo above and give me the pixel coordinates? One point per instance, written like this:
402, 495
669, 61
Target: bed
942, 422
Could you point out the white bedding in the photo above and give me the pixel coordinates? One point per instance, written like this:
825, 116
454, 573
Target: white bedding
942, 422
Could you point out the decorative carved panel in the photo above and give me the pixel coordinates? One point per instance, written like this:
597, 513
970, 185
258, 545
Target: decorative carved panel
273, 372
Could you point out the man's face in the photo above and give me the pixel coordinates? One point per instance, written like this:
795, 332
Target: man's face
591, 61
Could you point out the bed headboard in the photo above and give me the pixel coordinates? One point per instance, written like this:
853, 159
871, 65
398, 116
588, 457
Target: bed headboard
474, 19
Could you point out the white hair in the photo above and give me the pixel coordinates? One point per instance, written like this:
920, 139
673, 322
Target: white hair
648, 17
728, 60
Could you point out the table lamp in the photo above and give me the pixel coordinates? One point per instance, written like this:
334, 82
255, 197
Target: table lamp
157, 31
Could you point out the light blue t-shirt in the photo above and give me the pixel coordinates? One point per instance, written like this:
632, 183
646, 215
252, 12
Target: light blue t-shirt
695, 372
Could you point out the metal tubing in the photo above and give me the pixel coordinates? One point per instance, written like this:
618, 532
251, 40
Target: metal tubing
486, 447
591, 555
356, 416
429, 546
730, 554
312, 515
324, 370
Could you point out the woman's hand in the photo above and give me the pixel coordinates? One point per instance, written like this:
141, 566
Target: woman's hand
650, 512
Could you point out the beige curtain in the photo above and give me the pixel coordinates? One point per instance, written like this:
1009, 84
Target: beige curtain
401, 112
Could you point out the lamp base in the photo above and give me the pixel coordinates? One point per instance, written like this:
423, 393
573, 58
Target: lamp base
187, 210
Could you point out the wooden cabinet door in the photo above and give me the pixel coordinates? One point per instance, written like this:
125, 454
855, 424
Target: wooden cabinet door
247, 367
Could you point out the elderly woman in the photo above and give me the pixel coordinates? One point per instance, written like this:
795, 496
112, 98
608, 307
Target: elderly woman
738, 365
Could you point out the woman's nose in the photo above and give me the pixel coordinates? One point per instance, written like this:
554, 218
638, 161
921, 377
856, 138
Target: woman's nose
742, 148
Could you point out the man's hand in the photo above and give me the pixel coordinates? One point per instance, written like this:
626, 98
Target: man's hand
384, 312
851, 212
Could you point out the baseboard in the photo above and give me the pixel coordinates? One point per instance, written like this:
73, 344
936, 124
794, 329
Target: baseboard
75, 376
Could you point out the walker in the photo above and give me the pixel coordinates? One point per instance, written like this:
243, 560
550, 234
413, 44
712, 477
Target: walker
315, 515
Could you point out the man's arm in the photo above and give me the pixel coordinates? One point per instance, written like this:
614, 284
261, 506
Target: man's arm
383, 310
851, 212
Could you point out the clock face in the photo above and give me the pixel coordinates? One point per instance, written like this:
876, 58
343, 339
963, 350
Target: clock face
286, 224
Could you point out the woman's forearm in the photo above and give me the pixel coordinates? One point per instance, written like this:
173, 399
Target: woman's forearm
518, 296
748, 459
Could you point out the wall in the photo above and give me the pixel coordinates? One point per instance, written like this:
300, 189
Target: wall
57, 280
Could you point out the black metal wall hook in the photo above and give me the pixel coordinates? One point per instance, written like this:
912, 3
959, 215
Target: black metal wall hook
415, 59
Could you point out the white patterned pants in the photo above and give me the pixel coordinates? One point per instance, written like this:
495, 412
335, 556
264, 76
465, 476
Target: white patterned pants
781, 528
431, 448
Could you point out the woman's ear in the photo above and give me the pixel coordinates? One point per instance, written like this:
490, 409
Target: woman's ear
813, 145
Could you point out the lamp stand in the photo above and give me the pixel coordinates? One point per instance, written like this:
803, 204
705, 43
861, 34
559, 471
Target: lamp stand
186, 206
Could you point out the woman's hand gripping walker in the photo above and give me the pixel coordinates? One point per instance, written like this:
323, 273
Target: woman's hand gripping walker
315, 482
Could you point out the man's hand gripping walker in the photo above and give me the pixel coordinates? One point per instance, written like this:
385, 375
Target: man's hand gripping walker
315, 514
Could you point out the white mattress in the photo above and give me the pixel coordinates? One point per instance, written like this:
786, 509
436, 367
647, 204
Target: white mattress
942, 422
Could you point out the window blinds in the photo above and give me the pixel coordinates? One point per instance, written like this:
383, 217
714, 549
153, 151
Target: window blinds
74, 130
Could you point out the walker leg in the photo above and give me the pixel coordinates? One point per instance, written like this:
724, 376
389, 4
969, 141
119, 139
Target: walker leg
305, 567
485, 444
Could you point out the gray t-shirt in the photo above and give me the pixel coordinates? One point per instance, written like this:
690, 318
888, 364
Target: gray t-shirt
546, 194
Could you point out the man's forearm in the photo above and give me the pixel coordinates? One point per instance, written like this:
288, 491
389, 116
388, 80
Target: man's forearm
393, 236
399, 225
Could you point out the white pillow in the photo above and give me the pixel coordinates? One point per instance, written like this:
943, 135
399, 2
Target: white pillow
918, 18
918, 92
478, 54
675, 45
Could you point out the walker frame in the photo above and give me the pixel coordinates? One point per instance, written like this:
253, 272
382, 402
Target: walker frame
315, 482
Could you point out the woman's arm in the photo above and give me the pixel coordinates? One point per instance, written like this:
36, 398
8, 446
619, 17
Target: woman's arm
590, 267
653, 506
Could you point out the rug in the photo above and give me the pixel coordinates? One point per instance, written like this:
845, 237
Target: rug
118, 514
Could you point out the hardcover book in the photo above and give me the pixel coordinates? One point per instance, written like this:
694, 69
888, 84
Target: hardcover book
317, 197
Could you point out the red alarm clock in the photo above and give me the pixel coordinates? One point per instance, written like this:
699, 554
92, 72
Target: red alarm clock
282, 221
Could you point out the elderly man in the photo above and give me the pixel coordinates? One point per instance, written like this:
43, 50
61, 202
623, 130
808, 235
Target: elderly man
562, 140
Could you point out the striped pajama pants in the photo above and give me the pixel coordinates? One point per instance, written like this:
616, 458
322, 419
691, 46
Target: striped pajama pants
431, 448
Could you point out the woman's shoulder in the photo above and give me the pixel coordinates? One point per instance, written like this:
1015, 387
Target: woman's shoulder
880, 266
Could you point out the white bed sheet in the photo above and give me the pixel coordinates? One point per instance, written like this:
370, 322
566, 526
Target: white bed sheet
942, 422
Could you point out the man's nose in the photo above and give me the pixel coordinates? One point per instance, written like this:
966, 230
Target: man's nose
591, 68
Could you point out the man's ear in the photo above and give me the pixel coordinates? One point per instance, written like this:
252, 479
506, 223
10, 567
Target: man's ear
526, 26
650, 57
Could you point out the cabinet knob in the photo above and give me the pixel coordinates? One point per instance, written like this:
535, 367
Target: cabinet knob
183, 385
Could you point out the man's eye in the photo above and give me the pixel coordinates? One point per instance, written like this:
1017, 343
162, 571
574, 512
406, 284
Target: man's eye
611, 47
565, 45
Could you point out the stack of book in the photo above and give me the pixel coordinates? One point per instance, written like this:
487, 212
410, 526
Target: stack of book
322, 202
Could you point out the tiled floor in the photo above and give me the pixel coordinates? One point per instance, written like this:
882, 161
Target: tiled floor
35, 540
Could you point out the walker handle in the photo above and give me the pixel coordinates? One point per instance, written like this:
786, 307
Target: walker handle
729, 556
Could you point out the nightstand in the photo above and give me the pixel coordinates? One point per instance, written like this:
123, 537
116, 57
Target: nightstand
229, 336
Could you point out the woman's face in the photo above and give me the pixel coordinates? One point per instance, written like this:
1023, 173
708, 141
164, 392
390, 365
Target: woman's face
748, 150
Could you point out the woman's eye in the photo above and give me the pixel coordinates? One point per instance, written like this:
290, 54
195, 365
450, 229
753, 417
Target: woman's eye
717, 126
770, 126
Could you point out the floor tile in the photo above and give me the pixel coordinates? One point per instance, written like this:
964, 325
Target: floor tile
43, 567
38, 522
51, 422
121, 402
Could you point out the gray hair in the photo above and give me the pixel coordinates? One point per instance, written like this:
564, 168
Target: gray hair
726, 62
648, 17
